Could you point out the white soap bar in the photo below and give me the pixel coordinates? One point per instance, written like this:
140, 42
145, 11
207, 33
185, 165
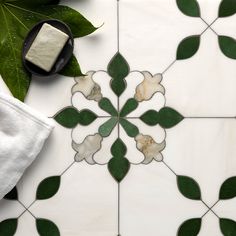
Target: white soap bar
46, 47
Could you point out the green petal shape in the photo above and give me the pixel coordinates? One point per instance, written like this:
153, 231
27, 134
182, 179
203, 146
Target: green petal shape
12, 195
46, 227
106, 105
48, 187
130, 105
72, 69
190, 227
228, 189
8, 227
106, 128
189, 7
168, 117
188, 47
150, 117
129, 128
69, 117
118, 166
189, 187
227, 227
118, 148
118, 69
227, 8
227, 46
17, 18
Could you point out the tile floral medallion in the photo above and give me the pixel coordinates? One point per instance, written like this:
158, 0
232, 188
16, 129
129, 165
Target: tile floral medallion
144, 142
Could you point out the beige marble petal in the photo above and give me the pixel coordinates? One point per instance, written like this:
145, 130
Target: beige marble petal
150, 149
87, 86
149, 86
87, 149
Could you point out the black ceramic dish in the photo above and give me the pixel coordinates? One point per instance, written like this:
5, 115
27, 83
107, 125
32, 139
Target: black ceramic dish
62, 59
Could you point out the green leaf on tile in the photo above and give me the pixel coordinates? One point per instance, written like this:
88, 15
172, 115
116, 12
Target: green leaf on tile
106, 105
17, 18
129, 128
69, 117
168, 117
228, 189
188, 47
48, 187
118, 69
227, 46
189, 187
12, 195
227, 8
189, 7
106, 128
46, 227
118, 166
8, 227
130, 105
72, 69
150, 117
227, 227
190, 227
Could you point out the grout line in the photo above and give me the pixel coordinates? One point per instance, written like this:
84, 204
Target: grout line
169, 168
67, 168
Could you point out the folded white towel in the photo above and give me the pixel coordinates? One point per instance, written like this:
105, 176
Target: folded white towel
22, 135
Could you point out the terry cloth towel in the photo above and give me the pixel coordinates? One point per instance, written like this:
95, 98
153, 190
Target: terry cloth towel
22, 135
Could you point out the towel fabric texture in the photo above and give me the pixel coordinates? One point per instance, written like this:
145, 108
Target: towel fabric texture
23, 132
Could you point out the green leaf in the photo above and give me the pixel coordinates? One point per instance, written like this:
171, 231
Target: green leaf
129, 128
150, 117
118, 69
227, 8
227, 46
118, 166
168, 117
228, 189
12, 195
130, 105
106, 105
227, 227
69, 117
17, 18
189, 187
48, 187
190, 227
46, 227
188, 47
8, 227
106, 128
72, 69
189, 7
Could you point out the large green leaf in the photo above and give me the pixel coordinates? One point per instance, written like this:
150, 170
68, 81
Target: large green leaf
189, 7
48, 187
190, 227
72, 69
188, 47
12, 195
8, 227
118, 69
17, 18
189, 187
118, 166
227, 8
228, 227
227, 46
228, 189
46, 227
69, 117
